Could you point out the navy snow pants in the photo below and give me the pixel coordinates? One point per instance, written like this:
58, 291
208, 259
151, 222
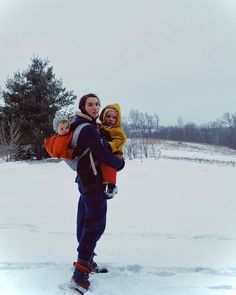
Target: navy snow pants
91, 222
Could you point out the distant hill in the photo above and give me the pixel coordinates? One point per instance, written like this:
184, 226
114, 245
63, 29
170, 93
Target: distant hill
151, 148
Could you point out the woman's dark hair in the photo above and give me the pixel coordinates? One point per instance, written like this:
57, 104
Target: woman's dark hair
83, 101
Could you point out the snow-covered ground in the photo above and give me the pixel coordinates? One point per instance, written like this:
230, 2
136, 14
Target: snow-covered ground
171, 229
197, 152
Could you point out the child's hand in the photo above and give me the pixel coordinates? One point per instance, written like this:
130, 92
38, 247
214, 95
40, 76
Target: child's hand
104, 133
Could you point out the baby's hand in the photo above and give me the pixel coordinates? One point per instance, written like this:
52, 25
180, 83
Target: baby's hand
104, 133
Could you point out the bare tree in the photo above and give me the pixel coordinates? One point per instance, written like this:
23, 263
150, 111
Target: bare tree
131, 149
180, 122
156, 122
10, 135
143, 124
149, 123
229, 121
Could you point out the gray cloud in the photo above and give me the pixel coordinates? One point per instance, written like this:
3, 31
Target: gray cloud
175, 58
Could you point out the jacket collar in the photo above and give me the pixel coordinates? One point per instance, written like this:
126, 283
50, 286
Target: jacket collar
82, 115
81, 118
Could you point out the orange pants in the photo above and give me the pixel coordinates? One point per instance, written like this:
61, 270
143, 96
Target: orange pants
108, 174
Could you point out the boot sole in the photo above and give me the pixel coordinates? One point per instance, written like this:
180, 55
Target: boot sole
73, 286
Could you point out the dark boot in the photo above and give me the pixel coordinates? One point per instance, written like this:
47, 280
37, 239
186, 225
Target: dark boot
95, 268
80, 279
98, 269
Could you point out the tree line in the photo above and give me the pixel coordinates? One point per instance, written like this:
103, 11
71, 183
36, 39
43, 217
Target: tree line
220, 132
32, 97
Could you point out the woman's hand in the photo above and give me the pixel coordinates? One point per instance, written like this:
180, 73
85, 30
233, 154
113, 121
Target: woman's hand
122, 166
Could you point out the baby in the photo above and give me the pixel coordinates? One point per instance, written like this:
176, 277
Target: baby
58, 145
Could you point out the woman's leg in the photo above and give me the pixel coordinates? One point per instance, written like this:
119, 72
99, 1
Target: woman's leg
92, 223
80, 218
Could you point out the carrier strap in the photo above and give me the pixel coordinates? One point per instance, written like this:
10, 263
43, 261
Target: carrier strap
73, 163
77, 133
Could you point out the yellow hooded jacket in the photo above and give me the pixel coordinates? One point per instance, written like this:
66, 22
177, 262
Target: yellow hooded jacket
117, 134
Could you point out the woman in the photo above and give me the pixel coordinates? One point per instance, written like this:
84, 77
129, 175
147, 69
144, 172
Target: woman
92, 207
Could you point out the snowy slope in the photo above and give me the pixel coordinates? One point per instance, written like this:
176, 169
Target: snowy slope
170, 230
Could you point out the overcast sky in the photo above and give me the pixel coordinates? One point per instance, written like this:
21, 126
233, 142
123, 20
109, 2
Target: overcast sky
176, 58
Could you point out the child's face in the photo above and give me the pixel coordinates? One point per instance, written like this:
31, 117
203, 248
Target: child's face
110, 118
63, 128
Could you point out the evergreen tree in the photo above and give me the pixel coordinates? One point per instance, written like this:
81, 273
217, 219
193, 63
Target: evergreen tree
31, 99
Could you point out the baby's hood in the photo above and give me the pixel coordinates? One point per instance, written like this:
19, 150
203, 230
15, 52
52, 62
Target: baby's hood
116, 107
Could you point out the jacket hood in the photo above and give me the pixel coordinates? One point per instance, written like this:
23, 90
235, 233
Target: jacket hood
114, 106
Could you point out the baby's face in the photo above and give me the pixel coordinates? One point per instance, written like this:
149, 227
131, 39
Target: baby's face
110, 118
63, 128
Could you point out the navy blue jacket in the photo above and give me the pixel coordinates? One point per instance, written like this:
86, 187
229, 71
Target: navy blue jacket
89, 137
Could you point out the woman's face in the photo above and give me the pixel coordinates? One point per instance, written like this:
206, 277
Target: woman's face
92, 107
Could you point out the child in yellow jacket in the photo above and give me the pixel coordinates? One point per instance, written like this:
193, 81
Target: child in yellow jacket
112, 131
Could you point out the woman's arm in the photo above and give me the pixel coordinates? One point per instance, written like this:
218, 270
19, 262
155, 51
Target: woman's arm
90, 137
